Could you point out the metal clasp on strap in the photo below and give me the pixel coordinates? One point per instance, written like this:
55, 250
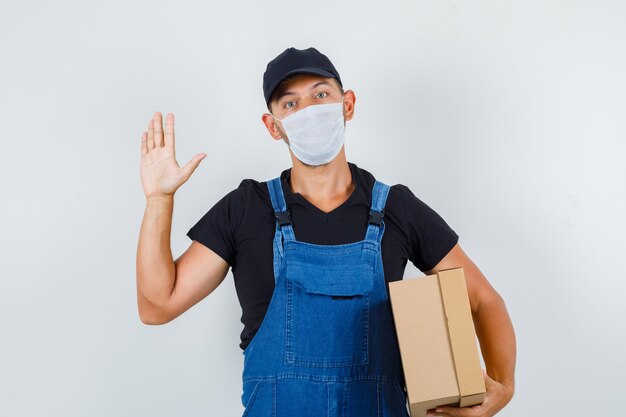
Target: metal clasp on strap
283, 217
376, 217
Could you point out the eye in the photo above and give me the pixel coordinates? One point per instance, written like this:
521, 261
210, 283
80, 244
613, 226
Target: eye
322, 92
287, 104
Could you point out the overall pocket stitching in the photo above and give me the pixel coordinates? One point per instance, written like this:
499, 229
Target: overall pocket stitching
362, 304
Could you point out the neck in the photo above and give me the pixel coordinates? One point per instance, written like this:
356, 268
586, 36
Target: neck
326, 186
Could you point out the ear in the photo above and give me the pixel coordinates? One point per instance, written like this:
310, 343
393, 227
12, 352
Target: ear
270, 124
349, 98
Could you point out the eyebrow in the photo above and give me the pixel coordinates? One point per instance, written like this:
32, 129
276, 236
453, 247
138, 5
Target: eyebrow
285, 93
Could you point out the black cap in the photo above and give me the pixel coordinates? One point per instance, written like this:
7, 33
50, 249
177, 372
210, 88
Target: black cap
292, 61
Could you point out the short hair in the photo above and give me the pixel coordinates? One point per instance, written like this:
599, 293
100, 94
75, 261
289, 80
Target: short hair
281, 87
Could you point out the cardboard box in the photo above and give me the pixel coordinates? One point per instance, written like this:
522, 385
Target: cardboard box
438, 344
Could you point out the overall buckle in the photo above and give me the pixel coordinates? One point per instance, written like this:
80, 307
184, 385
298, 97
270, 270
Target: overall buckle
376, 217
283, 217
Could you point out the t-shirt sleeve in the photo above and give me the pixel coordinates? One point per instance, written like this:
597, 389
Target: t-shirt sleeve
430, 237
217, 228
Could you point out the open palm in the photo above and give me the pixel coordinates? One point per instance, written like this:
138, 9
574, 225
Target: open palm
160, 173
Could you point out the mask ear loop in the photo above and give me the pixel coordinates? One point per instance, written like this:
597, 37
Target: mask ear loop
276, 117
281, 121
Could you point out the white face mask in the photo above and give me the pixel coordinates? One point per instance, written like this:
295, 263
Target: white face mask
316, 133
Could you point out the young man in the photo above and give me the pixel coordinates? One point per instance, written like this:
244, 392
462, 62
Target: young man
312, 252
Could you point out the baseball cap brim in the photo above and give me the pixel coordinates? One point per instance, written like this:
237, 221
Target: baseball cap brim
316, 71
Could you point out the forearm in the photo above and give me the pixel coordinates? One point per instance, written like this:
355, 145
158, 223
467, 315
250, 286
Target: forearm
156, 271
497, 341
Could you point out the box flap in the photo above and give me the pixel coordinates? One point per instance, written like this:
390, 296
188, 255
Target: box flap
462, 334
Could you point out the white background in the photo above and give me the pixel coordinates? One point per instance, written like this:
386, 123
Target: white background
506, 117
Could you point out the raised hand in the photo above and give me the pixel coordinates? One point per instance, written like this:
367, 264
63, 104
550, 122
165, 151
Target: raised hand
160, 173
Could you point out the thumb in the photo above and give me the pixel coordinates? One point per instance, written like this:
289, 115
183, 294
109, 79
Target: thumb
191, 166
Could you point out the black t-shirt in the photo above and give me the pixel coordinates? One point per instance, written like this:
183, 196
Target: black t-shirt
240, 228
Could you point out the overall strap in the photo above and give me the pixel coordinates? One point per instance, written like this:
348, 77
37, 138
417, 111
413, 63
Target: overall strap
281, 212
375, 224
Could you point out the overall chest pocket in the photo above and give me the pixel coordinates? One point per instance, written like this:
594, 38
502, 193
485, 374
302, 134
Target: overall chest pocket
327, 321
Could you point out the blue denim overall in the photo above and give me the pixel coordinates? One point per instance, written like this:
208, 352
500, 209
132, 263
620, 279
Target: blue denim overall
327, 345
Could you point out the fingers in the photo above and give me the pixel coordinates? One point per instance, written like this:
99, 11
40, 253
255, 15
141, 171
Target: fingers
432, 412
150, 140
443, 410
154, 137
169, 130
191, 166
144, 144
158, 129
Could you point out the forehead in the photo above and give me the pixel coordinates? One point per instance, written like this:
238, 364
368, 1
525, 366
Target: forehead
301, 83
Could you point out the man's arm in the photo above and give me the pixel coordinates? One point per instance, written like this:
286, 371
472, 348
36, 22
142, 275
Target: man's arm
491, 321
167, 288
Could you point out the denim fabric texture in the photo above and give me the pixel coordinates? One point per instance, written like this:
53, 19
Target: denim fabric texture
327, 345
